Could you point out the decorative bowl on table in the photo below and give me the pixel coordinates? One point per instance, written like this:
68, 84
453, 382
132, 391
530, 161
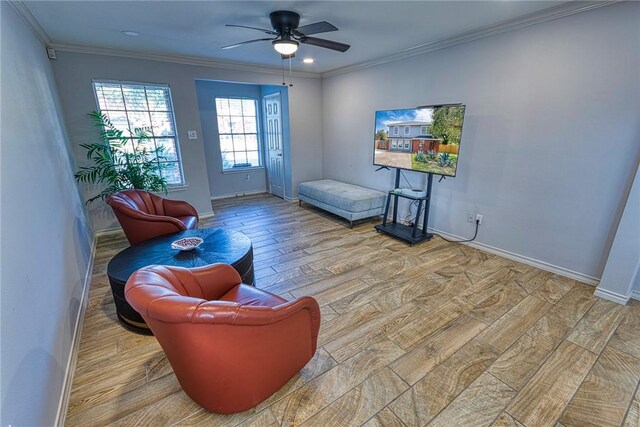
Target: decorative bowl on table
187, 244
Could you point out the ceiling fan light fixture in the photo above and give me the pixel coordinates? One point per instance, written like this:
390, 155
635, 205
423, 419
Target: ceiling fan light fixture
285, 47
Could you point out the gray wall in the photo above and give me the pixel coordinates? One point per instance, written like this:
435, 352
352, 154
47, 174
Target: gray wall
230, 183
227, 183
74, 72
623, 263
550, 136
46, 242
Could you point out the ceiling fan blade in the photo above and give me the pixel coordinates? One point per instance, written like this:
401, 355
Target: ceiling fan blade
316, 28
231, 46
327, 44
253, 28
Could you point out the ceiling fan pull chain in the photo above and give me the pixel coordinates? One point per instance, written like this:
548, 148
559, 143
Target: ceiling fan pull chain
290, 74
283, 83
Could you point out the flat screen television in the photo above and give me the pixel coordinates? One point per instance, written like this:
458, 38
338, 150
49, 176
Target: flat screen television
424, 139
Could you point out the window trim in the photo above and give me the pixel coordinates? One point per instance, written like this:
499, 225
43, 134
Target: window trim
396, 130
243, 170
424, 129
177, 186
261, 149
407, 130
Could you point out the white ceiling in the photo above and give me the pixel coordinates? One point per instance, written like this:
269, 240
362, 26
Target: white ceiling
374, 29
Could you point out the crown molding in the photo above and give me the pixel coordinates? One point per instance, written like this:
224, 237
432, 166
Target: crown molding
556, 12
23, 12
177, 59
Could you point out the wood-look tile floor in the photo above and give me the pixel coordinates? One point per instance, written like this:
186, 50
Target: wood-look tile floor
439, 334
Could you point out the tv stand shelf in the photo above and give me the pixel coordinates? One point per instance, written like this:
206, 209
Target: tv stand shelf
404, 232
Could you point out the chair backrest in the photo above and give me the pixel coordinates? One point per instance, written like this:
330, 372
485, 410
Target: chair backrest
172, 295
139, 200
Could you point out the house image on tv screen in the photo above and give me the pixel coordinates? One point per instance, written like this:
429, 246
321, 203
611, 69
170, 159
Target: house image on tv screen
409, 137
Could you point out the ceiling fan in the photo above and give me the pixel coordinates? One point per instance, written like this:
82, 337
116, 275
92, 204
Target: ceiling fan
288, 34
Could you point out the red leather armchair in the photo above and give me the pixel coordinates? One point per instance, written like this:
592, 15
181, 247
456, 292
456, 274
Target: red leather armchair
143, 215
230, 345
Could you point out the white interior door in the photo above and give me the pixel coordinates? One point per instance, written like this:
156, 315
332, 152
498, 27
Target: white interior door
273, 137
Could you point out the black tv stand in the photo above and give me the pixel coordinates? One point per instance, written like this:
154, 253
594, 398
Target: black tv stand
401, 231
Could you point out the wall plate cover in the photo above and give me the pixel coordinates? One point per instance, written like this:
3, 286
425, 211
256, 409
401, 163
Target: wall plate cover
192, 134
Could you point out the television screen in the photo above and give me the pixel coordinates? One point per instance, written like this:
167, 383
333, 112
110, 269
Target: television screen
425, 139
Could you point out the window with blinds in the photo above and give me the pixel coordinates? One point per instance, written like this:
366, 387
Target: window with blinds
131, 106
238, 132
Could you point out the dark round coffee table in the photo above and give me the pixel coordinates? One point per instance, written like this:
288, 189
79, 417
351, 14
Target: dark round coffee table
219, 246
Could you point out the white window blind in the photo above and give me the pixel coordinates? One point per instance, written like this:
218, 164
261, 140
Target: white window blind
130, 106
238, 132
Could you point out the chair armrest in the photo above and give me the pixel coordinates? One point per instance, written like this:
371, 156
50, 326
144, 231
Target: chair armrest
142, 216
216, 280
177, 208
214, 312
303, 312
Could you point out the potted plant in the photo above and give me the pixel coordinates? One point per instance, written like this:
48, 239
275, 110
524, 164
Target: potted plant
121, 162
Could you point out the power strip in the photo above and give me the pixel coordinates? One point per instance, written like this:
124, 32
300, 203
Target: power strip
410, 192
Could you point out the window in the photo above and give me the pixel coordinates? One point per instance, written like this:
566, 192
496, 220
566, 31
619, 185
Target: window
423, 130
130, 106
407, 144
393, 144
396, 130
238, 131
407, 130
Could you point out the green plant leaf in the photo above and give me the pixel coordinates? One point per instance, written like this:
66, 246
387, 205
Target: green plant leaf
116, 165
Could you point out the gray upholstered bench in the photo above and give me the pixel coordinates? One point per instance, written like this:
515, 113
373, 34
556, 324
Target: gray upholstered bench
348, 201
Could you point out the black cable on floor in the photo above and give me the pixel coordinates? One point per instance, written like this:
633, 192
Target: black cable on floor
461, 241
436, 234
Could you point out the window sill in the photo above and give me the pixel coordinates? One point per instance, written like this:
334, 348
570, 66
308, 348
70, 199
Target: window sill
243, 170
174, 188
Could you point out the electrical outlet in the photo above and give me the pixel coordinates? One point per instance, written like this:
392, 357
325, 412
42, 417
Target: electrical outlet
192, 134
471, 217
478, 218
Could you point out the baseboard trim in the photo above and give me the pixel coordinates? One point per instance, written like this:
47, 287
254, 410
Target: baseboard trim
635, 294
291, 199
612, 296
109, 232
234, 195
75, 341
584, 278
206, 215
